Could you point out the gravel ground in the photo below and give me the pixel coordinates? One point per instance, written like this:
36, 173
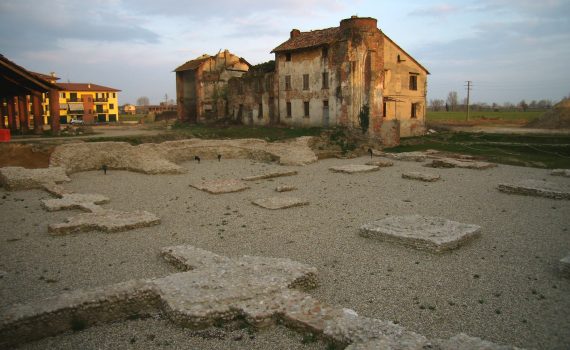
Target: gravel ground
503, 286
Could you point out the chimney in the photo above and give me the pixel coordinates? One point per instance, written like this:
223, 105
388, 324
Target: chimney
89, 85
295, 32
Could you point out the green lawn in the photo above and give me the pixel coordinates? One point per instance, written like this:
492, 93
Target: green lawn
508, 116
541, 151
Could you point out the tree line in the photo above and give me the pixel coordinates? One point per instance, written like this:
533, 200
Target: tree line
451, 104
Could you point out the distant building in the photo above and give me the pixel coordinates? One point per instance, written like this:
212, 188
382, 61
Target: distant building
129, 109
323, 77
91, 103
201, 85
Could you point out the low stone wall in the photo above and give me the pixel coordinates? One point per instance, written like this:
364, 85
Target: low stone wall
163, 157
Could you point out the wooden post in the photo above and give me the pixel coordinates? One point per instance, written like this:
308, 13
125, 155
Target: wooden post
11, 106
23, 114
54, 111
3, 112
37, 112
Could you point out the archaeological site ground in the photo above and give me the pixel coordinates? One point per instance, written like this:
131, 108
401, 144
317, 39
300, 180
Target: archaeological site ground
274, 246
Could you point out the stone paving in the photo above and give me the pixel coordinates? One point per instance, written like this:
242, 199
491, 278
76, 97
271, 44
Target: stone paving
456, 163
426, 177
421, 232
220, 186
405, 156
285, 188
354, 168
81, 201
278, 202
214, 290
380, 163
106, 220
536, 188
560, 172
270, 175
18, 178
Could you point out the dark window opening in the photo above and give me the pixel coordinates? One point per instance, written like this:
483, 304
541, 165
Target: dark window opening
287, 82
111, 106
326, 104
325, 52
325, 80
288, 56
413, 82
306, 108
415, 107
288, 109
305, 81
384, 110
260, 111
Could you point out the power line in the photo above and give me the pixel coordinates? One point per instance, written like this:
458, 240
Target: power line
469, 87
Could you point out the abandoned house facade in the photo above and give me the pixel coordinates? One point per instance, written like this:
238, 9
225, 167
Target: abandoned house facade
322, 77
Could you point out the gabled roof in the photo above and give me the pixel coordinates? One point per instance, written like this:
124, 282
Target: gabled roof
15, 80
85, 87
45, 76
305, 40
193, 64
407, 54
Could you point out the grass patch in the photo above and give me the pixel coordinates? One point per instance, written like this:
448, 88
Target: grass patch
505, 116
540, 151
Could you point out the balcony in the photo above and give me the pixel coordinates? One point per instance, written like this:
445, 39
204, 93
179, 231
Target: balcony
74, 99
101, 99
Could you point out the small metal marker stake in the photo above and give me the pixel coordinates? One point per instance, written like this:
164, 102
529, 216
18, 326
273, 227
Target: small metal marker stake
219, 157
370, 152
104, 168
197, 158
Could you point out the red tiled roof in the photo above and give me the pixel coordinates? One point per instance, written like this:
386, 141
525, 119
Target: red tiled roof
84, 87
193, 64
45, 76
310, 39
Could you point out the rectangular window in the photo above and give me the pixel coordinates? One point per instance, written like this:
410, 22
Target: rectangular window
414, 110
288, 57
384, 110
326, 104
305, 81
260, 111
413, 82
288, 109
325, 80
111, 106
114, 95
62, 94
325, 52
306, 108
287, 82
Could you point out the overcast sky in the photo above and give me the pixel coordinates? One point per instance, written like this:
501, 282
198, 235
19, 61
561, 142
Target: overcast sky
510, 49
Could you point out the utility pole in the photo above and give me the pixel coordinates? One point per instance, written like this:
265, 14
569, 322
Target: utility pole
469, 86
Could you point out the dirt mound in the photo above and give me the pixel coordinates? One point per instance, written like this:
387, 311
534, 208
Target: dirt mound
557, 118
27, 156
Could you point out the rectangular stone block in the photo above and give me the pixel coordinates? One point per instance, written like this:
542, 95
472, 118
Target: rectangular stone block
421, 232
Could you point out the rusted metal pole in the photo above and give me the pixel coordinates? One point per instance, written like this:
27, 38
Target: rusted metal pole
37, 112
54, 111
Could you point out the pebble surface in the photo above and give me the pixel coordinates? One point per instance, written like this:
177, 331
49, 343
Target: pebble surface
504, 287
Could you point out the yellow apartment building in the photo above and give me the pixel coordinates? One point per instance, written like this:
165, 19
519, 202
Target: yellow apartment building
89, 102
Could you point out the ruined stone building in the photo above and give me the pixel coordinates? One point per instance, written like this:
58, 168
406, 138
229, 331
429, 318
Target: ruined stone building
201, 85
325, 77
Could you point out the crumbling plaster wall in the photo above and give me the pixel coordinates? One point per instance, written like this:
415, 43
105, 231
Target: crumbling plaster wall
397, 90
313, 63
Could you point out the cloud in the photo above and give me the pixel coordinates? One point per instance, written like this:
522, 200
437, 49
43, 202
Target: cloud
33, 25
440, 10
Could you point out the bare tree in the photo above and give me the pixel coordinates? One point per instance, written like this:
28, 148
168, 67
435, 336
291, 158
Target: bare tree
452, 100
143, 101
523, 105
436, 104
